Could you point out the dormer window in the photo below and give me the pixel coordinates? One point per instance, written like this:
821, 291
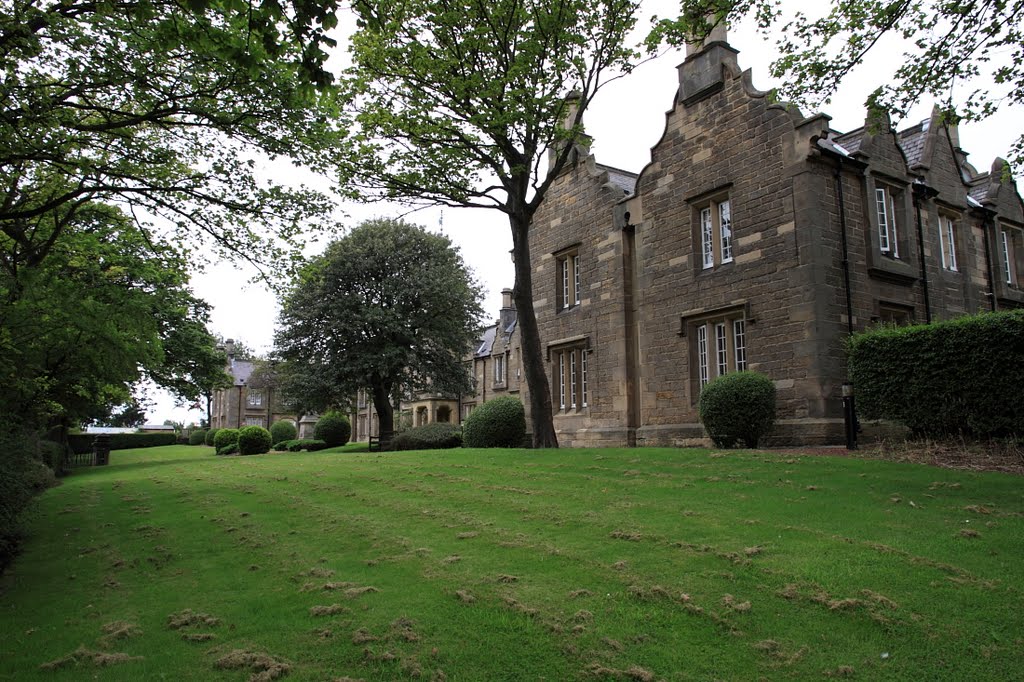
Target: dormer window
888, 219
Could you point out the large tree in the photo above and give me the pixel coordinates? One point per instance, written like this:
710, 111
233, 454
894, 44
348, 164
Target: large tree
969, 56
166, 107
460, 103
390, 308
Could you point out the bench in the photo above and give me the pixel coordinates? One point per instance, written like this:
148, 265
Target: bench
374, 444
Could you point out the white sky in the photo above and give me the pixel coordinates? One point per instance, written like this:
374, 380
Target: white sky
625, 120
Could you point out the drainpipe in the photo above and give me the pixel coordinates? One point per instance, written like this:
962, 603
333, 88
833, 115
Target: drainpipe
850, 423
922, 192
987, 225
238, 424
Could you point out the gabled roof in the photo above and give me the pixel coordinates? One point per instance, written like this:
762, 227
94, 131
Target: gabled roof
240, 370
624, 180
850, 141
486, 341
912, 141
978, 190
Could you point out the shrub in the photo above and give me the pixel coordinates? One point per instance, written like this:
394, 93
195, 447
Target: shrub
210, 435
197, 437
333, 428
737, 406
310, 444
224, 438
498, 423
962, 377
282, 446
82, 442
229, 449
253, 440
283, 430
22, 476
435, 436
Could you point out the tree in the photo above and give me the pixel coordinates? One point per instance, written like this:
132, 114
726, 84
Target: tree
390, 308
163, 106
460, 103
130, 415
951, 46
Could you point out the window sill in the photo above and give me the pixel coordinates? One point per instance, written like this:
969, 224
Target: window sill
891, 269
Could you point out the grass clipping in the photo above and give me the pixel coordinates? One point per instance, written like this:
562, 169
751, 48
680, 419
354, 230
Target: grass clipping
82, 655
264, 667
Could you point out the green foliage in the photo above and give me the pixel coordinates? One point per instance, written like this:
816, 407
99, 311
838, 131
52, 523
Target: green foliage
959, 377
283, 430
210, 436
229, 449
978, 47
22, 477
253, 440
738, 406
224, 438
498, 423
435, 436
83, 442
197, 437
333, 428
309, 444
389, 306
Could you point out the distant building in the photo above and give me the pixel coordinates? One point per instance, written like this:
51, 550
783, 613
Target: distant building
241, 405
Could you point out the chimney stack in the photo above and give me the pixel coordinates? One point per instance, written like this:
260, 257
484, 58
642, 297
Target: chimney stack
702, 74
508, 311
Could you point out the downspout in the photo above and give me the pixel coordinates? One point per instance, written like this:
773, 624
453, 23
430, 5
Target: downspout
238, 424
850, 422
837, 173
986, 225
921, 192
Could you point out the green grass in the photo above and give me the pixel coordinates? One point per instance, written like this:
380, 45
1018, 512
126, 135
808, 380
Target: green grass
522, 565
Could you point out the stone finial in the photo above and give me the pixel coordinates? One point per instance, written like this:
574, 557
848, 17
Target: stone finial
718, 34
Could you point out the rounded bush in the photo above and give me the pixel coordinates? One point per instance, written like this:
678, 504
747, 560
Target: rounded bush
197, 437
283, 430
253, 440
210, 435
435, 436
498, 423
739, 406
224, 438
333, 428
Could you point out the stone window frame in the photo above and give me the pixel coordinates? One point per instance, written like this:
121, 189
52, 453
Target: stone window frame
712, 236
892, 313
499, 369
890, 230
254, 398
717, 336
568, 278
897, 263
1011, 254
571, 383
949, 237
254, 421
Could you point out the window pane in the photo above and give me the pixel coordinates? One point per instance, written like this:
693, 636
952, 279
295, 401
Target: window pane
725, 225
572, 379
721, 349
951, 243
576, 279
561, 380
583, 371
1006, 257
883, 220
563, 264
702, 354
739, 331
894, 240
707, 238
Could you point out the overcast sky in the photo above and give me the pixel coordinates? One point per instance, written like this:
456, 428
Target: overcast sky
625, 121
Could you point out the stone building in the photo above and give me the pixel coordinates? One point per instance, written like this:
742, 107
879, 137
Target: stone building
243, 405
756, 238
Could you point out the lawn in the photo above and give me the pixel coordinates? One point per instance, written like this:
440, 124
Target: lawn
640, 564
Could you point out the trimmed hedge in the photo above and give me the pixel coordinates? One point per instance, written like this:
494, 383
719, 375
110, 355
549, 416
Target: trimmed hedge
82, 442
738, 406
210, 435
224, 438
197, 437
253, 440
333, 428
22, 477
283, 430
299, 444
962, 377
498, 423
436, 436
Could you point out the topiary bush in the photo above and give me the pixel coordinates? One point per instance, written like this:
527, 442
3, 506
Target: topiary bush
224, 438
962, 377
498, 423
739, 406
253, 440
210, 435
435, 436
197, 437
333, 428
283, 430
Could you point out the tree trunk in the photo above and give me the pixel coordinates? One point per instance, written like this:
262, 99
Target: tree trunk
385, 412
541, 419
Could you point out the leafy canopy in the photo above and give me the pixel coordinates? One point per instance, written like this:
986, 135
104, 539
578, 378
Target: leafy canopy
389, 306
968, 56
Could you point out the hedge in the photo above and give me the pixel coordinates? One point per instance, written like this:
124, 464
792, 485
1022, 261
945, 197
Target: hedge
333, 428
22, 477
283, 430
298, 444
224, 438
253, 440
210, 435
498, 423
962, 377
197, 437
82, 442
738, 406
436, 436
